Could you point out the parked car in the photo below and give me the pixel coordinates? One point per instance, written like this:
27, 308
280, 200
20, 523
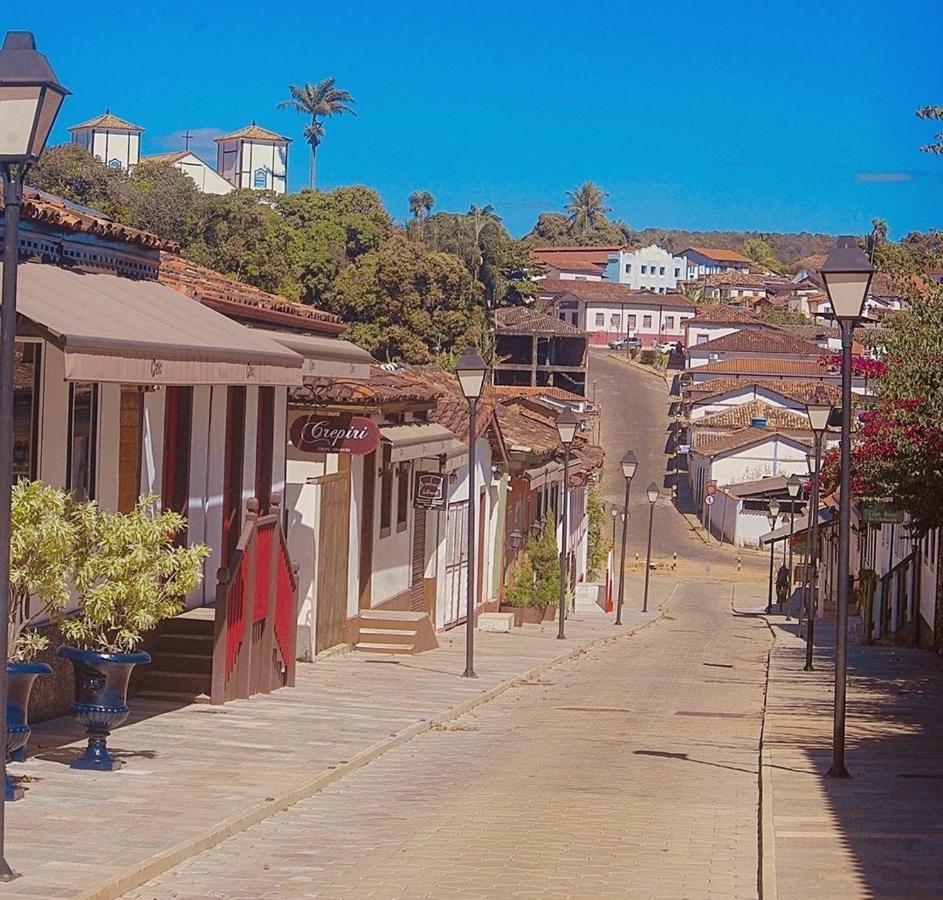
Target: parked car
669, 346
626, 343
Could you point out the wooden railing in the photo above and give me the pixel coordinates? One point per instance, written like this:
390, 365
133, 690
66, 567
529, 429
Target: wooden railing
896, 601
256, 611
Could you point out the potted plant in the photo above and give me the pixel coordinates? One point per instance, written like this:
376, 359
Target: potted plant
538, 600
129, 574
41, 539
519, 591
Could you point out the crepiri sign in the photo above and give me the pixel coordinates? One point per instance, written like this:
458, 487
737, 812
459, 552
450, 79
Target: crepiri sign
429, 490
315, 433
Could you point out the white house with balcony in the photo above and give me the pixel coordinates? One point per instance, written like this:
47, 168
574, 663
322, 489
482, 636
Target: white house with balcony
650, 268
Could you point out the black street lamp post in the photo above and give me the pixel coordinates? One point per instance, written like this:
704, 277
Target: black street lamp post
567, 423
629, 465
819, 412
652, 499
471, 370
30, 97
773, 517
793, 486
847, 276
615, 518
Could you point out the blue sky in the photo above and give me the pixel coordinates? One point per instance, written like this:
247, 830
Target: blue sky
776, 116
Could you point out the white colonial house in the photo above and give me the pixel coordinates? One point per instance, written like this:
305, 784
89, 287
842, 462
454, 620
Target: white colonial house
716, 320
607, 311
722, 395
752, 343
203, 176
574, 263
650, 268
701, 261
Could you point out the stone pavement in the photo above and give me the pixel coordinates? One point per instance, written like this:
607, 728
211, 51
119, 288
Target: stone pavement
631, 770
880, 832
197, 774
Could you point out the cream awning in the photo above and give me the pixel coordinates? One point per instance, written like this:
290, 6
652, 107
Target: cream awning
414, 440
325, 356
115, 329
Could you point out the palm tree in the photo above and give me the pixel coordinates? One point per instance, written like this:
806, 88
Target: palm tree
318, 101
879, 229
481, 217
420, 205
586, 206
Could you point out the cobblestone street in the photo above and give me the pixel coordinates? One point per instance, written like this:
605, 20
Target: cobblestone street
629, 771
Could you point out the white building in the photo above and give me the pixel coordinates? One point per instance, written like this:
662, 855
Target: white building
253, 157
701, 261
574, 263
717, 320
751, 343
650, 268
607, 311
189, 163
114, 141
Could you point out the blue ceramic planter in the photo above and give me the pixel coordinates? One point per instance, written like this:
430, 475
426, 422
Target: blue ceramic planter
20, 678
101, 700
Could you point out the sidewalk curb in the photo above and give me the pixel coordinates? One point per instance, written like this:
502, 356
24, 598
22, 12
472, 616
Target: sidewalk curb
118, 885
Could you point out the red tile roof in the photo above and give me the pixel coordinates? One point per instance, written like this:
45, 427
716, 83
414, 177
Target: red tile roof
722, 314
252, 132
39, 206
525, 320
736, 417
719, 255
715, 444
758, 340
513, 390
613, 292
384, 387
800, 368
233, 297
109, 121
793, 389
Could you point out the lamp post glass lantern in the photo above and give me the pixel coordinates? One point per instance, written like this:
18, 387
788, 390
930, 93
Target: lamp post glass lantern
30, 97
847, 276
652, 493
629, 468
567, 424
470, 371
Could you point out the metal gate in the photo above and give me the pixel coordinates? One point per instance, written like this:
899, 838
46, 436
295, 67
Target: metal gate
331, 556
456, 562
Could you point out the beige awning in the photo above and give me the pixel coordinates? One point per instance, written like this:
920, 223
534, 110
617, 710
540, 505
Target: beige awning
114, 329
325, 356
543, 475
414, 440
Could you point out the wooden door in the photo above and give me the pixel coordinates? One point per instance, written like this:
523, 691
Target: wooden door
331, 560
456, 561
232, 470
130, 438
418, 561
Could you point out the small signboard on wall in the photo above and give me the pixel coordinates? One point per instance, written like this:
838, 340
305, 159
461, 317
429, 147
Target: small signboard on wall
313, 433
880, 514
429, 490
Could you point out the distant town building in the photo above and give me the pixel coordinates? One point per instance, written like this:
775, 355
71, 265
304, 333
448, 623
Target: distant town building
650, 268
574, 263
114, 141
701, 261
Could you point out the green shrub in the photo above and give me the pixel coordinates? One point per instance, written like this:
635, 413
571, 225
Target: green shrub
545, 558
598, 538
520, 587
129, 575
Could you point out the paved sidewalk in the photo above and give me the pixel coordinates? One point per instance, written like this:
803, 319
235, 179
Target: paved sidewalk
880, 832
195, 775
630, 771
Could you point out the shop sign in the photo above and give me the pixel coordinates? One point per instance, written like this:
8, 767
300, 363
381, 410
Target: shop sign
429, 490
880, 514
354, 435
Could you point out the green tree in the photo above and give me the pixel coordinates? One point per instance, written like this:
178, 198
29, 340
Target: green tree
319, 101
878, 236
162, 199
74, 174
598, 534
408, 303
761, 253
934, 113
242, 236
587, 207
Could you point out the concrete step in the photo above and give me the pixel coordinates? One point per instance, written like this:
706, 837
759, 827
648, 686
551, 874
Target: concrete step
196, 663
382, 618
367, 647
191, 683
179, 697
388, 635
188, 625
201, 644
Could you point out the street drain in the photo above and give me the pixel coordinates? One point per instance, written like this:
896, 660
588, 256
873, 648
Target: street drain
718, 665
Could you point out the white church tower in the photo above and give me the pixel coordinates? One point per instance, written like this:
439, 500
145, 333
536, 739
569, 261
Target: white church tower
114, 141
253, 157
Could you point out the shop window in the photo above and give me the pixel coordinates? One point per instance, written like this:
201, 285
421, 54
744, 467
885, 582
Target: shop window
600, 320
386, 494
646, 321
402, 495
26, 410
82, 451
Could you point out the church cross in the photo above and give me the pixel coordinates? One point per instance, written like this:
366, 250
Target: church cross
187, 137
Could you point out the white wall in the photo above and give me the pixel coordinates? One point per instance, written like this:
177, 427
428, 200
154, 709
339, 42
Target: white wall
739, 398
203, 176
663, 272
116, 149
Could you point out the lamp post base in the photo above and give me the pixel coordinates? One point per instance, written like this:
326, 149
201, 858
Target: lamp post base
837, 771
469, 673
6, 873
